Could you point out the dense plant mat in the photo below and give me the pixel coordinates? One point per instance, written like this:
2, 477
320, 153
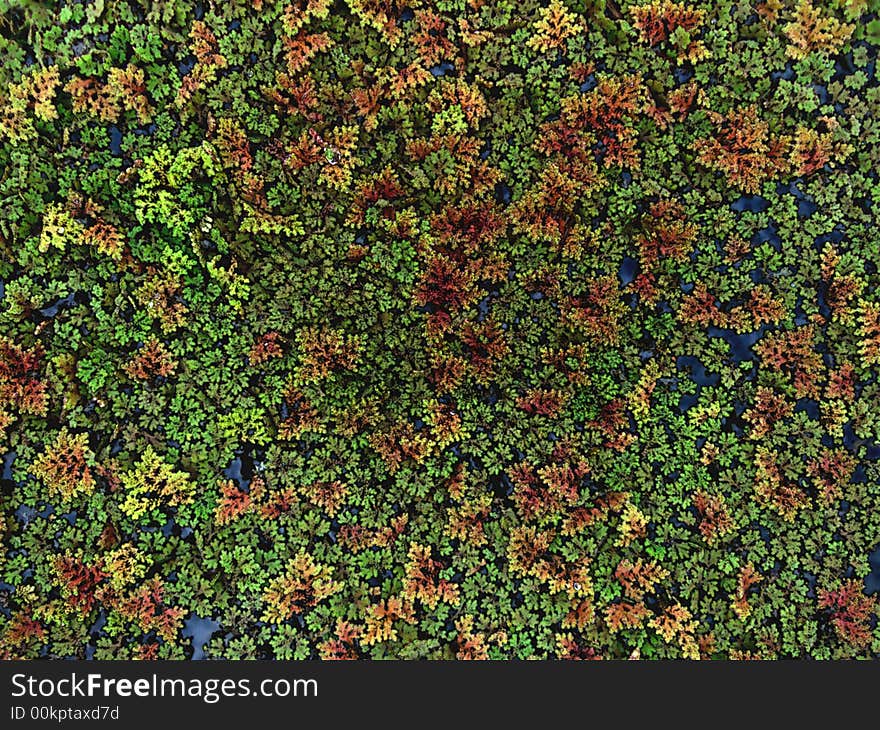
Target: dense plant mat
443, 329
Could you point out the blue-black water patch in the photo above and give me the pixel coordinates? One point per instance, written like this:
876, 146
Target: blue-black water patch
740, 406
589, 83
8, 460
686, 402
441, 69
698, 372
787, 73
628, 269
822, 301
853, 443
811, 583
63, 303
115, 141
849, 437
835, 235
822, 93
406, 15
474, 463
171, 527
806, 203
806, 208
97, 628
185, 65
146, 131
25, 514
96, 632
484, 304
699, 375
768, 234
844, 65
682, 75
740, 343
559, 59
809, 406
200, 630
872, 580
502, 193
240, 470
750, 203
334, 530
